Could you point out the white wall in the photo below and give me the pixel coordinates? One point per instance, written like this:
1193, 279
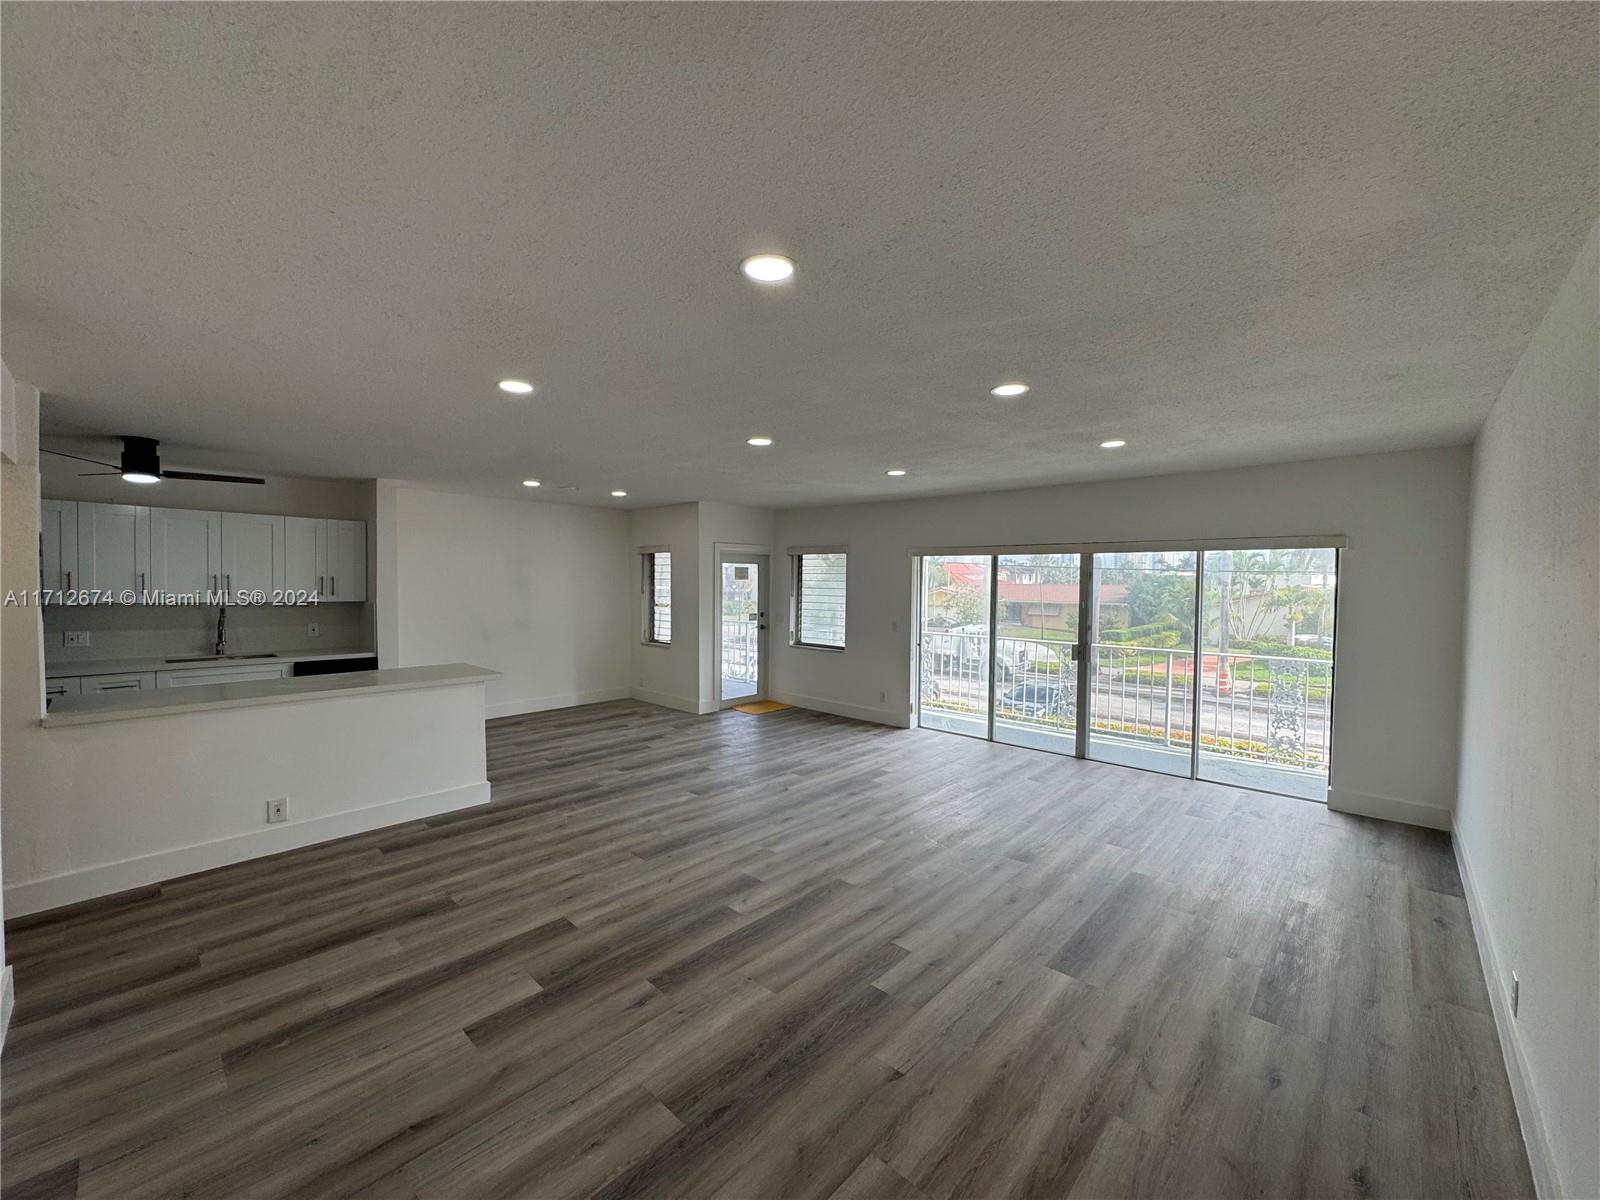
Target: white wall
1398, 668
98, 809
1528, 818
666, 675
536, 591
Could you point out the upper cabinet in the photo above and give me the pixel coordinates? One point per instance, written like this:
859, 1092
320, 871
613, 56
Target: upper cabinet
113, 548
58, 545
185, 550
252, 555
347, 560
117, 548
305, 554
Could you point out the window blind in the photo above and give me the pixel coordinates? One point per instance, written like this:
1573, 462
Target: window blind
658, 584
819, 599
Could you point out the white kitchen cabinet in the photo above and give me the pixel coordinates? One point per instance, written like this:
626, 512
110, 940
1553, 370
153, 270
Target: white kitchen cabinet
113, 547
230, 673
185, 550
305, 554
252, 554
58, 544
133, 681
54, 688
347, 560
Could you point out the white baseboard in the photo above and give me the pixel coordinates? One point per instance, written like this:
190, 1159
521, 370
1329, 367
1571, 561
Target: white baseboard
1385, 808
688, 704
856, 712
515, 708
1529, 1116
38, 895
8, 1001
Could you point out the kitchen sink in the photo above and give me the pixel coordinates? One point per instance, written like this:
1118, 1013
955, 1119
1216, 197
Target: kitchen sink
217, 657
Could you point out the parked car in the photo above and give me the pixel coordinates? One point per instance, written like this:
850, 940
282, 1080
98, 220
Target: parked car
1036, 698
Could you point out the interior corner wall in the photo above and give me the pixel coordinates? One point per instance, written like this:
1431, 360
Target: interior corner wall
531, 589
1398, 660
1527, 821
668, 675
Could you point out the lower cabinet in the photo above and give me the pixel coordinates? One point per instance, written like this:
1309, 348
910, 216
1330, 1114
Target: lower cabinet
230, 674
139, 681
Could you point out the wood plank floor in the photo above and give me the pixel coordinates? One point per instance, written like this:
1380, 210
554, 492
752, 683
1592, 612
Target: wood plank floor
777, 956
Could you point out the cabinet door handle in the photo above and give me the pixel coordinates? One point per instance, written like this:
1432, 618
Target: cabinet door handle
141, 582
227, 583
213, 581
322, 583
69, 581
333, 585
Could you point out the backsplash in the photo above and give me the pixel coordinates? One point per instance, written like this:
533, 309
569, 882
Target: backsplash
137, 631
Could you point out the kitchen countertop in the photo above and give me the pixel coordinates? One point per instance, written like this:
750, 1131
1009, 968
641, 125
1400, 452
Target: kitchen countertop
128, 666
121, 706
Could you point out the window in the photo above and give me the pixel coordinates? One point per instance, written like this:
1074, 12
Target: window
658, 597
819, 585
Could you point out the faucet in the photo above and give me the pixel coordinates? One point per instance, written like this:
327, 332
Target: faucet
222, 630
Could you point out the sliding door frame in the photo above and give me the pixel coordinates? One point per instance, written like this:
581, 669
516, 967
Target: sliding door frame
1083, 647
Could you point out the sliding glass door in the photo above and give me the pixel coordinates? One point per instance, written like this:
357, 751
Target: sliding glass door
1036, 643
1268, 622
1141, 694
955, 633
1206, 664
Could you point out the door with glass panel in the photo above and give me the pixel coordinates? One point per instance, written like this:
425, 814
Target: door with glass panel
742, 624
1266, 714
954, 637
1036, 601
1142, 662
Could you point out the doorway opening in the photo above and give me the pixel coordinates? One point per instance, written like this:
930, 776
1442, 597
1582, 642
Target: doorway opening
1212, 664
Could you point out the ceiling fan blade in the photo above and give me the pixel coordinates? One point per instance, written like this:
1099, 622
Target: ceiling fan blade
96, 474
80, 458
207, 477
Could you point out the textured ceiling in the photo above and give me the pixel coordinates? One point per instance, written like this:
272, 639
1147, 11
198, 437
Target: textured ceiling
309, 238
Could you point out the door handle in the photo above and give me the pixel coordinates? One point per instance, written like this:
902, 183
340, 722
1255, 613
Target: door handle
213, 581
333, 585
141, 581
227, 583
69, 581
322, 581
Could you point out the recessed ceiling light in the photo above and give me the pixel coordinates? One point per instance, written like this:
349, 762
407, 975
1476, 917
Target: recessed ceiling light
758, 441
1007, 390
1113, 444
530, 483
767, 268
897, 471
139, 477
619, 493
517, 387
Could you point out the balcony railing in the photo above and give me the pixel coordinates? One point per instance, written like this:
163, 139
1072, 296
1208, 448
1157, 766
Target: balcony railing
1270, 709
740, 649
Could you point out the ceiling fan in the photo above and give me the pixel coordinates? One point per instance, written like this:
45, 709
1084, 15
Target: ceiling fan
142, 464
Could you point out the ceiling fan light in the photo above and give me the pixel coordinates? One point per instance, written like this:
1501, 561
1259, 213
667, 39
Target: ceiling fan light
140, 477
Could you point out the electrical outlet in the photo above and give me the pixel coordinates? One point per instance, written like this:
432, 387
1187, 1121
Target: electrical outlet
313, 629
1516, 992
75, 637
277, 810
883, 697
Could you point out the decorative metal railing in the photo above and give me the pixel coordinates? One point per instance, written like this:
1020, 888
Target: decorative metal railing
740, 655
1271, 709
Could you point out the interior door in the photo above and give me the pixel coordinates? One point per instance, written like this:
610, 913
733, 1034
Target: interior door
742, 634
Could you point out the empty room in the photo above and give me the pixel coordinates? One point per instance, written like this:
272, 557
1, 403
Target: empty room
795, 600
